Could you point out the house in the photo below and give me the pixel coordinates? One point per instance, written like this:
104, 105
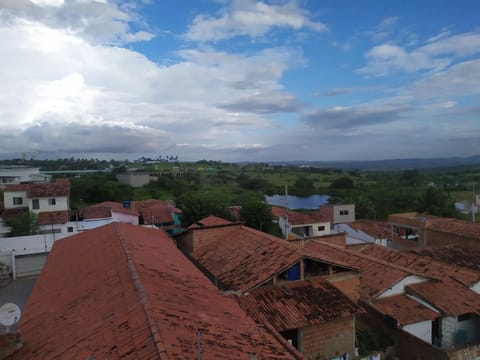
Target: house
16, 174
135, 296
304, 224
414, 230
262, 269
360, 232
144, 212
210, 220
416, 299
318, 329
134, 178
49, 201
338, 213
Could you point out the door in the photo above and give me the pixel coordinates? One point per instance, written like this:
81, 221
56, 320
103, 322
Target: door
27, 265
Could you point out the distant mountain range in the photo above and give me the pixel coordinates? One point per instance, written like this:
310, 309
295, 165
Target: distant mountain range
392, 164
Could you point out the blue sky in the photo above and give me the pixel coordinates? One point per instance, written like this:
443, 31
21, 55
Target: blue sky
240, 80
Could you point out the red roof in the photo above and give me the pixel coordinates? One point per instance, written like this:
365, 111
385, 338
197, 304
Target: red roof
296, 304
422, 265
376, 229
134, 297
61, 187
242, 258
448, 296
104, 210
376, 275
210, 220
453, 255
278, 211
404, 309
298, 218
53, 217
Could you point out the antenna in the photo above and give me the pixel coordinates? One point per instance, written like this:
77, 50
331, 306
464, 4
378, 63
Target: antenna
9, 314
199, 346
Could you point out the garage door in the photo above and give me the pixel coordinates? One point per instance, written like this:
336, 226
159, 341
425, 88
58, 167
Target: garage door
26, 265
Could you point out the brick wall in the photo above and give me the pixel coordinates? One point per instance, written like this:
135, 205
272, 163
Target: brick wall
410, 347
325, 341
197, 238
348, 283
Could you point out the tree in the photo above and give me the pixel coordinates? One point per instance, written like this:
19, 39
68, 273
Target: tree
197, 205
435, 201
344, 182
24, 224
258, 215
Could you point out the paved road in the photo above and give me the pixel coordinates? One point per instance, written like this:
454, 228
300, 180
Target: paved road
16, 291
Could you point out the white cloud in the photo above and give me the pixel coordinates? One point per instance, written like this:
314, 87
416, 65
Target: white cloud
94, 20
251, 18
437, 54
57, 87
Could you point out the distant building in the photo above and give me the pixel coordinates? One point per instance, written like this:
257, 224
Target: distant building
134, 178
16, 174
306, 224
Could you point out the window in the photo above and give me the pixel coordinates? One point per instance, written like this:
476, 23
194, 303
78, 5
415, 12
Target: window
52, 201
343, 212
17, 201
70, 229
321, 228
35, 204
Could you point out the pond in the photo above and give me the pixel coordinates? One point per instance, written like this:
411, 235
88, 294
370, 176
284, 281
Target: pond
297, 202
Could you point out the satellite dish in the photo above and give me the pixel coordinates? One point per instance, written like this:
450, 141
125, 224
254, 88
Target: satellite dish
9, 314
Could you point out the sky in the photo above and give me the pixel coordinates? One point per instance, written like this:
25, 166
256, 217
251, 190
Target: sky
240, 80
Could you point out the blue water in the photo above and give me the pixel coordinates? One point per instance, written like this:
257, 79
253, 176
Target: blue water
297, 202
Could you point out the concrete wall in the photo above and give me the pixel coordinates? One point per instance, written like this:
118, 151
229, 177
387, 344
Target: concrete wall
422, 330
21, 174
409, 347
195, 239
134, 179
345, 218
125, 218
325, 341
399, 288
348, 283
449, 328
471, 328
476, 287
8, 199
61, 204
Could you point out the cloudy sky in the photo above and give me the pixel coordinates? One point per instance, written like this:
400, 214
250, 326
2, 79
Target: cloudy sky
240, 80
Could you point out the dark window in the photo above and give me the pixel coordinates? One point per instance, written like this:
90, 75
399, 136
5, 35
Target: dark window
343, 212
52, 201
35, 204
70, 229
321, 228
17, 201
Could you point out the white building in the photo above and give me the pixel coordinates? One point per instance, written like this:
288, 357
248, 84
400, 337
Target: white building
16, 174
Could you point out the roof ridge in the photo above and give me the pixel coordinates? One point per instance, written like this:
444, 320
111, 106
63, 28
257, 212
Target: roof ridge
142, 296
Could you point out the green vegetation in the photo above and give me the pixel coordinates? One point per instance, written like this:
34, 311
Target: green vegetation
23, 224
212, 186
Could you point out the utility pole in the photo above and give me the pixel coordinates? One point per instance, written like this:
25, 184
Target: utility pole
473, 202
286, 212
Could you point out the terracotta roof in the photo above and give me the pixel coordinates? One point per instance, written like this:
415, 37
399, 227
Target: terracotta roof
298, 218
107, 304
448, 296
453, 255
376, 275
53, 217
61, 187
446, 225
278, 211
104, 210
155, 211
296, 304
376, 229
152, 203
404, 309
242, 258
210, 220
422, 265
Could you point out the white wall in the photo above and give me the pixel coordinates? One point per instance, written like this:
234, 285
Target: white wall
476, 287
8, 199
337, 218
422, 330
449, 328
92, 224
61, 204
399, 288
325, 231
125, 218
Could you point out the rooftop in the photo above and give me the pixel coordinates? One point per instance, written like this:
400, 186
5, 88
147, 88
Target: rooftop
376, 229
53, 217
106, 304
210, 220
299, 218
296, 304
61, 187
404, 309
453, 255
